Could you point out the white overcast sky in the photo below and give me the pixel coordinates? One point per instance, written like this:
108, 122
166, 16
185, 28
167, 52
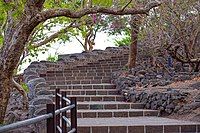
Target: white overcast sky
101, 42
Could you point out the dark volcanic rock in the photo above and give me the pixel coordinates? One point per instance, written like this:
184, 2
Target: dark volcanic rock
195, 86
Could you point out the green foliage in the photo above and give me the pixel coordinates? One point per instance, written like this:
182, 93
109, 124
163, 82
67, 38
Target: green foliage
1, 40
73, 4
106, 3
18, 7
6, 6
125, 68
25, 87
52, 58
125, 41
33, 51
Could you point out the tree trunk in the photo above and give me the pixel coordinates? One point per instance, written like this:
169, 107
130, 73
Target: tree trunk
134, 37
16, 36
4, 94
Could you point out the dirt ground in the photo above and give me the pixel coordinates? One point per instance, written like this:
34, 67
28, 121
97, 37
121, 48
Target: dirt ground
193, 115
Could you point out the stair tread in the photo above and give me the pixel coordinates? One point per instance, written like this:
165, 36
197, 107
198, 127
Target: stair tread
94, 95
106, 102
134, 121
86, 90
84, 84
115, 110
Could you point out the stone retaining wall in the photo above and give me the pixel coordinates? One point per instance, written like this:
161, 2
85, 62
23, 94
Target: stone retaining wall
148, 87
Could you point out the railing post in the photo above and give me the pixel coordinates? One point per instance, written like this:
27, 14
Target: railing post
74, 114
64, 123
51, 121
57, 107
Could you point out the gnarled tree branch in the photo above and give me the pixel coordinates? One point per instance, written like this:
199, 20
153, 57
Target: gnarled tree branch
51, 13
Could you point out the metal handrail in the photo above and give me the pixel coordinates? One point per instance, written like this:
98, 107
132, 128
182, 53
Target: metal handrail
25, 122
59, 95
64, 98
67, 100
67, 120
51, 114
58, 111
59, 129
33, 120
72, 131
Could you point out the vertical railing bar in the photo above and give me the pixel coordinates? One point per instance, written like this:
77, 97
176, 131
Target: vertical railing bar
73, 113
59, 129
72, 131
57, 107
67, 120
51, 121
64, 124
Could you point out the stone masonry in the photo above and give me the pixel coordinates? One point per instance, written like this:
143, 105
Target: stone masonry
101, 107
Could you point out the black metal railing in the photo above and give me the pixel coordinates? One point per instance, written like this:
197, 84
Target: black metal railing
56, 117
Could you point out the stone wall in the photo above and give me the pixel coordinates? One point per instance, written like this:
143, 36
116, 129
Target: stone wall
148, 85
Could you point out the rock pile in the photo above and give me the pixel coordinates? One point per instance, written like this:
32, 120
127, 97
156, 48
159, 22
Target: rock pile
147, 85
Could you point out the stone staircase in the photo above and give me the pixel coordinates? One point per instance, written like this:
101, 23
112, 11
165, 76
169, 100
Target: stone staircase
101, 108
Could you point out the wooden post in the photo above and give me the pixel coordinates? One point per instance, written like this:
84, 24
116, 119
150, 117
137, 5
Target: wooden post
51, 121
64, 124
74, 114
57, 107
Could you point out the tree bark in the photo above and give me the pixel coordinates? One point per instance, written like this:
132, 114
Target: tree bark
4, 94
134, 38
15, 39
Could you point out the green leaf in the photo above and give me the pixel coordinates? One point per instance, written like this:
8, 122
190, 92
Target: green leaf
106, 3
25, 87
1, 40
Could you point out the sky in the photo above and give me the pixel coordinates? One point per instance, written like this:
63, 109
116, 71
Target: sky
101, 42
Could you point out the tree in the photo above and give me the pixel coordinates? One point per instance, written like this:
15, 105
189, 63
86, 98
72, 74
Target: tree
20, 18
182, 39
173, 26
86, 34
131, 30
135, 24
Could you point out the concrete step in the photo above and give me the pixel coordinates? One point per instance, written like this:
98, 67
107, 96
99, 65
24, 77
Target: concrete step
84, 86
90, 92
101, 67
100, 105
79, 81
68, 78
115, 113
88, 98
83, 70
79, 73
136, 125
